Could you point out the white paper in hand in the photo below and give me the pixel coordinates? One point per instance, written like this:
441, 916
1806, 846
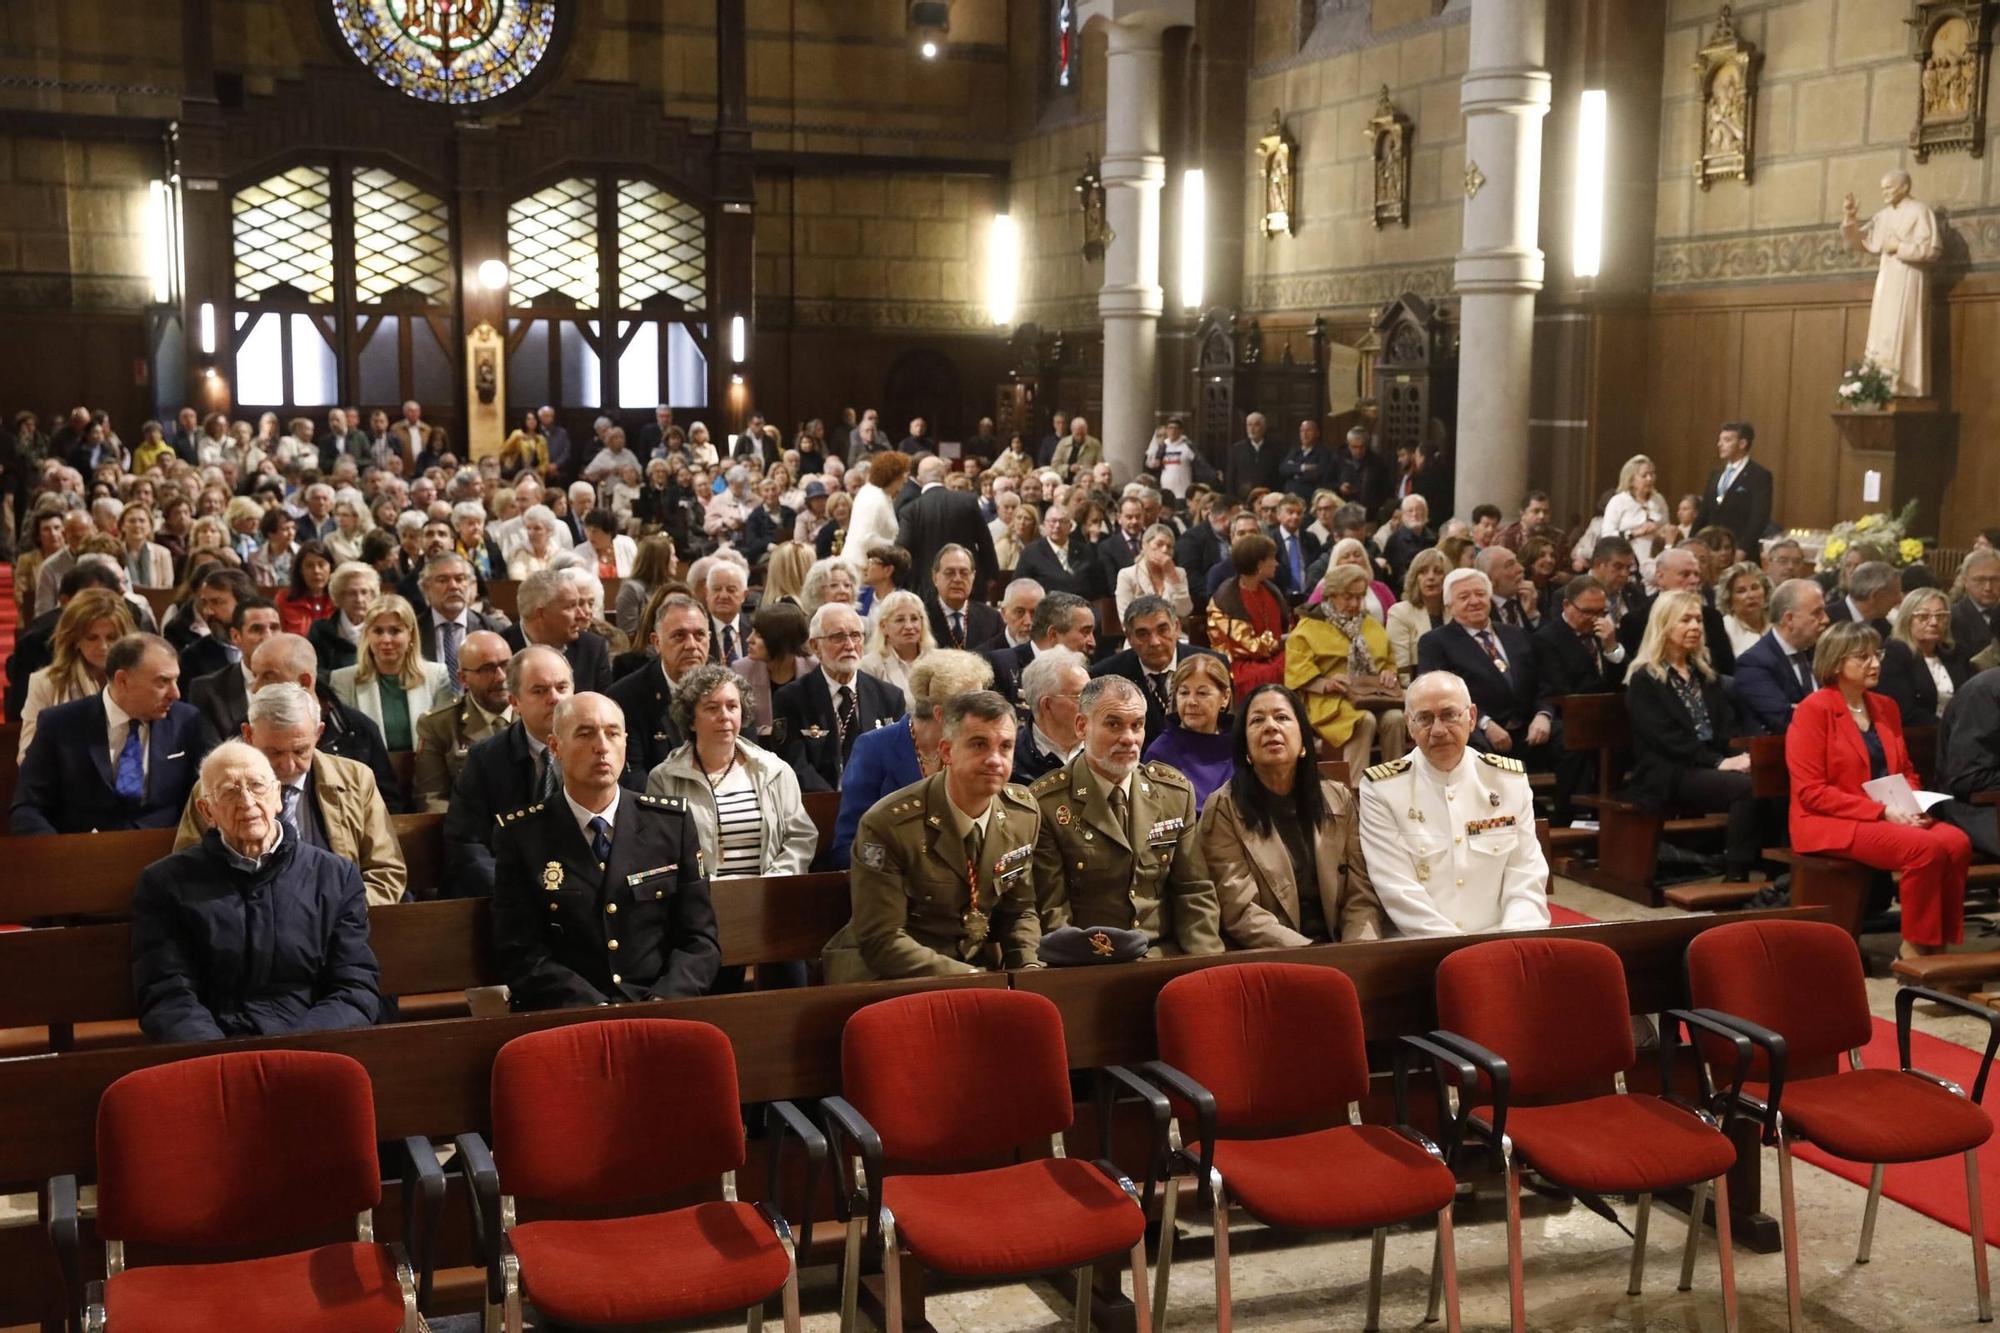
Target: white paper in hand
1894, 794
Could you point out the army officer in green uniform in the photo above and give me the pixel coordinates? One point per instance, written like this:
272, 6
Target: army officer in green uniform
944, 868
1118, 845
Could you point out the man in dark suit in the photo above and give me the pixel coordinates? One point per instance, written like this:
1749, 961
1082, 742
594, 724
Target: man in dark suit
215, 602
1873, 590
1679, 570
1577, 652
941, 516
1310, 466
653, 435
1052, 733
504, 772
1045, 451
1497, 664
1737, 495
223, 697
1975, 617
124, 758
349, 733
820, 714
1017, 617
768, 524
728, 622
957, 619
1298, 549
1776, 672
554, 607
1253, 461
186, 438
1061, 620
1055, 561
646, 694
1411, 534
1968, 760
1118, 551
635, 852
1361, 477
1154, 650
447, 615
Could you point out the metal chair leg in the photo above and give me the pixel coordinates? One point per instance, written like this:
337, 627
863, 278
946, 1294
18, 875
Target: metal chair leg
1444, 1267
1696, 1216
790, 1300
1727, 1253
1868, 1214
892, 1276
1788, 1227
1976, 1217
1437, 1277
754, 1320
1083, 1275
1377, 1243
1164, 1265
1517, 1303
1222, 1317
1636, 1283
1142, 1318
850, 1276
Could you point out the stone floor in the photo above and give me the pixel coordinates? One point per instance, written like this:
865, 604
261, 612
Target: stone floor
1920, 1278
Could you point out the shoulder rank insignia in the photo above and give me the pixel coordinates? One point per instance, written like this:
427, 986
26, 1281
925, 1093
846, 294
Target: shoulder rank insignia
522, 813
1502, 762
1048, 781
1388, 770
664, 802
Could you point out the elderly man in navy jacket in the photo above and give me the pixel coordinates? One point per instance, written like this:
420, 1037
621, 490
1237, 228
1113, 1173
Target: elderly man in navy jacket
121, 759
252, 931
1776, 672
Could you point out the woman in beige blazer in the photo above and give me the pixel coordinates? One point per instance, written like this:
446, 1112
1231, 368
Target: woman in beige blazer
1273, 818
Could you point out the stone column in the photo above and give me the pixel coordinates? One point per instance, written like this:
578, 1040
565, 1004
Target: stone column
1134, 170
1504, 96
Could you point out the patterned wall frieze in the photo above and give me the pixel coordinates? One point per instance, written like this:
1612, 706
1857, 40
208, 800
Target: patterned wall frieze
1338, 288
1813, 252
778, 312
1074, 312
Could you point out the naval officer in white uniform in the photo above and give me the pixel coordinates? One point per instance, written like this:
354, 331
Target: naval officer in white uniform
1449, 833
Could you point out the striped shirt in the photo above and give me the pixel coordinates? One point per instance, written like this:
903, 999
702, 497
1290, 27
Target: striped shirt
739, 826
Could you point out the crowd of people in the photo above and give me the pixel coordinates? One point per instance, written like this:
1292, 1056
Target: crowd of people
1065, 718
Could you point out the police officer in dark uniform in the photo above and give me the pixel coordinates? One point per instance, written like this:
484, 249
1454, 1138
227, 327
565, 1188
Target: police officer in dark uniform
600, 895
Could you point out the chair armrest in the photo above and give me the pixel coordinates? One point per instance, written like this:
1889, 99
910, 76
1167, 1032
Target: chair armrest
1497, 1077
1443, 1060
423, 1206
1776, 1055
845, 1125
482, 1191
1906, 1000
1111, 1079
782, 1118
1177, 1084
1715, 1026
59, 1215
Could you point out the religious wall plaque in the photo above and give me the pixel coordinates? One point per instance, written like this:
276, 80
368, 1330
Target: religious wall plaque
1276, 151
1952, 42
1726, 78
1389, 146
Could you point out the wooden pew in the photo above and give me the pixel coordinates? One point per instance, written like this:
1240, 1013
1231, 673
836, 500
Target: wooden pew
1628, 835
160, 599
10, 766
824, 809
422, 840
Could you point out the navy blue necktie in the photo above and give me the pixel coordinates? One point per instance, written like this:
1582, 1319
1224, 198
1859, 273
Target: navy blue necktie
131, 777
600, 839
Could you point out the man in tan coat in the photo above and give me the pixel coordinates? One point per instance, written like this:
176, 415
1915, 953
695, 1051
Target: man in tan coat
446, 733
944, 867
1118, 846
331, 803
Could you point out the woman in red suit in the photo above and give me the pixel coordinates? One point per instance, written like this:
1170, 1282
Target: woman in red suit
1843, 735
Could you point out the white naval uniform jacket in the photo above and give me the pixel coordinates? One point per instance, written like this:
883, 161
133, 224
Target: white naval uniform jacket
1454, 853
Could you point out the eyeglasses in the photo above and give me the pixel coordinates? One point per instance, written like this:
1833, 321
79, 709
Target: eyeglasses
236, 791
843, 636
1448, 717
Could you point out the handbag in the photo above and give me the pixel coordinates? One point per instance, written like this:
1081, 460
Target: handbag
1369, 692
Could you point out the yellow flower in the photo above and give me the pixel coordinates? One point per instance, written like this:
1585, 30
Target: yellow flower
1835, 548
1867, 521
1911, 550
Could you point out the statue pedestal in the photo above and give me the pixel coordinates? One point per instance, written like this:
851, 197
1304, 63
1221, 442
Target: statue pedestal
1913, 444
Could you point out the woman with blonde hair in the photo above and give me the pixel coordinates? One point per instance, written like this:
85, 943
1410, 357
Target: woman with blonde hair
243, 517
1337, 653
95, 619
1638, 512
1154, 574
873, 522
785, 573
1921, 665
651, 567
1025, 532
147, 563
351, 523
390, 681
1744, 594
1682, 723
1420, 611
899, 634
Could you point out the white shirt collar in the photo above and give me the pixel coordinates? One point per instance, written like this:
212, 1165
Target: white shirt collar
438, 617
609, 814
1046, 745
1854, 613
1443, 779
1785, 645
833, 686
115, 718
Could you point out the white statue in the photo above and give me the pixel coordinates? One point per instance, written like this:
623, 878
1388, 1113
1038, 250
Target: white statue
1905, 234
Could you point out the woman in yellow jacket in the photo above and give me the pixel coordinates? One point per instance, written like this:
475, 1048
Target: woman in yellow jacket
1328, 653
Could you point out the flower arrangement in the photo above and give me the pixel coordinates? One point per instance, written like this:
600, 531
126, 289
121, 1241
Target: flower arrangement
1866, 387
1887, 534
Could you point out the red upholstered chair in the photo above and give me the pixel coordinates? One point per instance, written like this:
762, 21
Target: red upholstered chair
940, 1085
265, 1151
1548, 1024
1795, 989
594, 1126
1271, 1122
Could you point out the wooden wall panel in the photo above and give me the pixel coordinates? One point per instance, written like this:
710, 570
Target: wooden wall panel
1805, 493
1765, 388
1974, 501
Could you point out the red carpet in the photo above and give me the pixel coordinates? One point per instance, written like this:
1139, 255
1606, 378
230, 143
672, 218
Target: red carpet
8, 613
1563, 916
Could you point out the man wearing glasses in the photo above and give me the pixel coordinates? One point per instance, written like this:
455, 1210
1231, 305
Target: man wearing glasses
445, 734
819, 715
1448, 833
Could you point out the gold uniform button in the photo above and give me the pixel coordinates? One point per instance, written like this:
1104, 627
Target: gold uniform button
612, 908
552, 907
613, 946
1454, 840
1079, 865
616, 979
614, 943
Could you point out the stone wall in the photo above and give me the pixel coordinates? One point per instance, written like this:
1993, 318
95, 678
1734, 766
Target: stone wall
72, 221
